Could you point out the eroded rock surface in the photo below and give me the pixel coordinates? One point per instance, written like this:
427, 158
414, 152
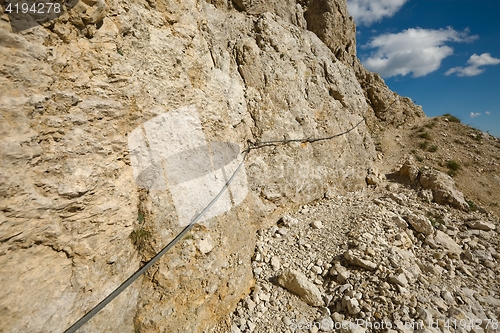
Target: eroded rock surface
75, 88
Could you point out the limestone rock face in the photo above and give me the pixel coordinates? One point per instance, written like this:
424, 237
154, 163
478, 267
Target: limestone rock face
287, 10
386, 104
74, 221
330, 21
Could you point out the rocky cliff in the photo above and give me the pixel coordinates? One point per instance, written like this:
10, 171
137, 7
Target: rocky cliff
75, 220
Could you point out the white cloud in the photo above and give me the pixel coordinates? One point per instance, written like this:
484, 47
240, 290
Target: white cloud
474, 62
488, 113
416, 50
367, 12
474, 115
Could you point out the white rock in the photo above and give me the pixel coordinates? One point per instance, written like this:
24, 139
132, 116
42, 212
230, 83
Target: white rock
481, 225
343, 276
250, 304
317, 270
275, 263
282, 231
345, 287
251, 326
297, 283
257, 270
353, 306
337, 317
392, 187
420, 223
287, 321
448, 297
356, 261
443, 189
264, 297
424, 314
447, 242
400, 222
317, 225
235, 329
205, 244
399, 279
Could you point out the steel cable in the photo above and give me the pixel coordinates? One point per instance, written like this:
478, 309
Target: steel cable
151, 262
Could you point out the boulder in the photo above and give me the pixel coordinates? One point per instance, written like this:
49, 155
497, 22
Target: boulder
443, 189
420, 223
409, 171
447, 242
298, 284
481, 225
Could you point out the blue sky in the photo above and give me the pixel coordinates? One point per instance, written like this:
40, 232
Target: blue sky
444, 54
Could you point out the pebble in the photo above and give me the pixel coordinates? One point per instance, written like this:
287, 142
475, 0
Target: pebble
275, 263
289, 221
378, 266
317, 225
287, 321
235, 329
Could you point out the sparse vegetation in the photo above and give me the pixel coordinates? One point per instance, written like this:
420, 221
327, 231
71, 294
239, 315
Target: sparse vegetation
435, 219
472, 206
139, 236
451, 118
453, 167
425, 135
189, 236
433, 148
419, 158
140, 217
423, 145
478, 137
432, 123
